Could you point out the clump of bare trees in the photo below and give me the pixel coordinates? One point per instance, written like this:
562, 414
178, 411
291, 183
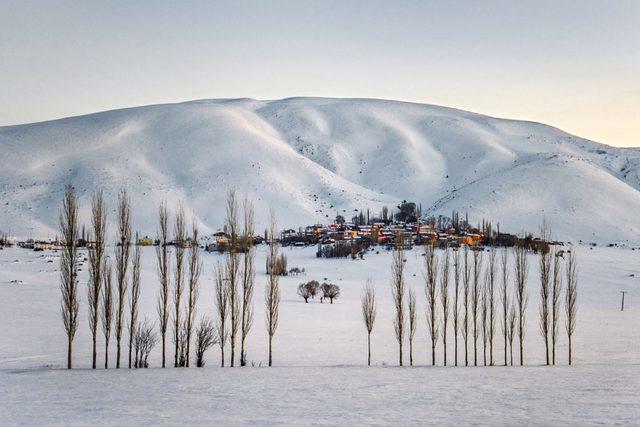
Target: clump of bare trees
206, 336
272, 292
278, 264
96, 266
571, 298
330, 291
134, 297
369, 312
143, 342
69, 268
122, 265
521, 270
162, 256
107, 311
397, 293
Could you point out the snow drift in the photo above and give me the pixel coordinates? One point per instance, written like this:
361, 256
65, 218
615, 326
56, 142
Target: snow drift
311, 158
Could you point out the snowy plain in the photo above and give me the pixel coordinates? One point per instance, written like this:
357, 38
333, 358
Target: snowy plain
320, 374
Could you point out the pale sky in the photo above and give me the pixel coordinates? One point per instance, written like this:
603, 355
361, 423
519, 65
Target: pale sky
571, 64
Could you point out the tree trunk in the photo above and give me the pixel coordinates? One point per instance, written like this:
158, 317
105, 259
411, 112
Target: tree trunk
233, 350
444, 343
369, 349
270, 341
433, 353
222, 357
455, 346
505, 343
106, 356
118, 355
466, 353
400, 353
70, 350
511, 353
569, 350
188, 344
521, 351
129, 355
95, 353
553, 351
410, 352
163, 350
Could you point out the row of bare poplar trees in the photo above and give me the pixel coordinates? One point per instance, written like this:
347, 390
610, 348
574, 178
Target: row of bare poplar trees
234, 285
474, 299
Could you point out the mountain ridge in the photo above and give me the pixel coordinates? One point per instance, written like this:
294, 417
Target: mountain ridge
312, 158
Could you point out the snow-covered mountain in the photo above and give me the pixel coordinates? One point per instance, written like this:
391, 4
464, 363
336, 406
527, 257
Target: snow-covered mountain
311, 158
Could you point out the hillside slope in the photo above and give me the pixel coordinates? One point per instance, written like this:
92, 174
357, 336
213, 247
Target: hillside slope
311, 158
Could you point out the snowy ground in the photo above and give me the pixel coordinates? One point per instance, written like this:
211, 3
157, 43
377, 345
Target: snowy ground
319, 355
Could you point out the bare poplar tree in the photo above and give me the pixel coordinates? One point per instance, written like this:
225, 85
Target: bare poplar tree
369, 314
456, 312
248, 278
162, 256
413, 321
444, 299
178, 281
272, 292
134, 297
556, 291
544, 264
475, 299
466, 272
491, 300
504, 299
431, 292
397, 293
195, 267
96, 264
206, 336
484, 309
107, 310
222, 308
233, 267
122, 264
69, 303
571, 298
511, 329
522, 268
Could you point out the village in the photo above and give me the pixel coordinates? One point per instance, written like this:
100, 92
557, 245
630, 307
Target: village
341, 239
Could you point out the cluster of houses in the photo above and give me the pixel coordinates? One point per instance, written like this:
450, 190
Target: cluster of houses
382, 234
341, 238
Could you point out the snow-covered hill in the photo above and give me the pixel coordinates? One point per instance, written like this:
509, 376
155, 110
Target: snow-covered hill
311, 158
